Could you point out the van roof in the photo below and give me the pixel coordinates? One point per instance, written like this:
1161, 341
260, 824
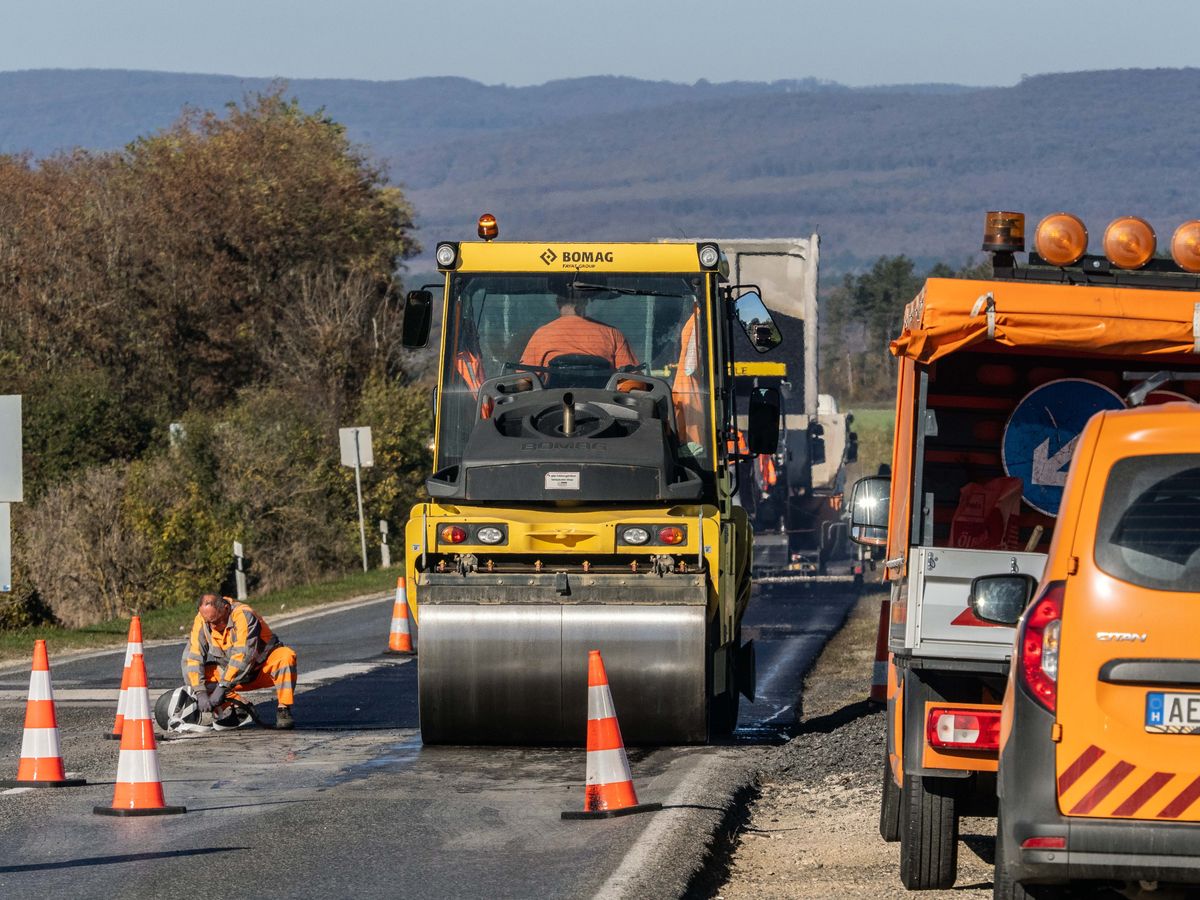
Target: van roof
953, 314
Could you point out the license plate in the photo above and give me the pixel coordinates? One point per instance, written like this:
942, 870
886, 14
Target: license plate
1172, 713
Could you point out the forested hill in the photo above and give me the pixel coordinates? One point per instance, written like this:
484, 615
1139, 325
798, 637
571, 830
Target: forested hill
876, 171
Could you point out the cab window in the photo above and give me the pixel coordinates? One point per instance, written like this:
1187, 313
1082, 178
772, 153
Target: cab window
1149, 528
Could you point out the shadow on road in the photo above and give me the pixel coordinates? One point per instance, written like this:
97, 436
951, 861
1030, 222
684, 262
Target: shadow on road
114, 860
834, 720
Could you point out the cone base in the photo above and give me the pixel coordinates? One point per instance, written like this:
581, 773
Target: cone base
391, 652
612, 813
112, 737
66, 782
152, 811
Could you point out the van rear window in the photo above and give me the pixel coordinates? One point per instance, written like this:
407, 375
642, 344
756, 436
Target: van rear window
1149, 531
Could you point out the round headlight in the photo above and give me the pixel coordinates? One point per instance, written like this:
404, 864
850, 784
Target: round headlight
709, 256
489, 534
1129, 242
445, 255
635, 535
1061, 239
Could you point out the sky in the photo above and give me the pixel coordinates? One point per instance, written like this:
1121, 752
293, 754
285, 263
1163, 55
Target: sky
521, 42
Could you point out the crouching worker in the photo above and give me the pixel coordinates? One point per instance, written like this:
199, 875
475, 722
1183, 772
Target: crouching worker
231, 648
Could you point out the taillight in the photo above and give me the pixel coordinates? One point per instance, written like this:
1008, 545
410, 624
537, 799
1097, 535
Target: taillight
1038, 645
672, 534
452, 534
1044, 842
964, 729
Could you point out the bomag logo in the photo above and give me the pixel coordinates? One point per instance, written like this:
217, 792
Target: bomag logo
564, 445
577, 257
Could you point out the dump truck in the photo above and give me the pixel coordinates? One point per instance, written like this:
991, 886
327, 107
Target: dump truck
794, 497
997, 378
582, 491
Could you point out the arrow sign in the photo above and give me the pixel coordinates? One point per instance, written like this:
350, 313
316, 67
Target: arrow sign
1043, 432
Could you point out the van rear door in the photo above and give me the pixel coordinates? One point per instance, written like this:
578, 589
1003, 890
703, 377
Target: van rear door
1129, 662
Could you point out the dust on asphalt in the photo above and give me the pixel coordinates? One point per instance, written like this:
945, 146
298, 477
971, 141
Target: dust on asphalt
813, 829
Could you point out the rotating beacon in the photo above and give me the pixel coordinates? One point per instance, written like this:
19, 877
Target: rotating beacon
582, 489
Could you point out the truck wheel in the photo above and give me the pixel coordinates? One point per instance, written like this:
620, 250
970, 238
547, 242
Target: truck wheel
889, 805
928, 833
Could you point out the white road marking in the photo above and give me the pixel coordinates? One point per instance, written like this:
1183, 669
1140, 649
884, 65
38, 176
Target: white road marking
17, 791
69, 695
622, 881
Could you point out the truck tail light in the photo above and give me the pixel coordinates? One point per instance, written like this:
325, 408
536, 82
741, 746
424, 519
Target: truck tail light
672, 534
1038, 645
452, 534
1045, 842
964, 729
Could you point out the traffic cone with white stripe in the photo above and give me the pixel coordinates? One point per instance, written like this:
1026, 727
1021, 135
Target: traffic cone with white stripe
879, 673
400, 638
139, 787
41, 760
609, 789
132, 645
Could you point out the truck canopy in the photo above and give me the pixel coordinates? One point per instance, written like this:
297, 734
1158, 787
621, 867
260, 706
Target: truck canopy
954, 314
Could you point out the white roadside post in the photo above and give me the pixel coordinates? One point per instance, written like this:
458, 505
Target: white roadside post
358, 452
11, 480
385, 552
239, 569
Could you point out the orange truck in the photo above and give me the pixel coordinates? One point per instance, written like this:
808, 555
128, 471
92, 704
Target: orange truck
997, 379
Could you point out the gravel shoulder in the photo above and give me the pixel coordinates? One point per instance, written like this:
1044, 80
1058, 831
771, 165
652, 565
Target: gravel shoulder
813, 830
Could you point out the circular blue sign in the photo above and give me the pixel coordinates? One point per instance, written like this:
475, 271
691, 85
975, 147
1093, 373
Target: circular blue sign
1041, 434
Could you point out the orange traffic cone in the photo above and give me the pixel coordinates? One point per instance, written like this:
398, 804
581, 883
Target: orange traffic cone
139, 788
41, 760
400, 638
609, 790
132, 645
879, 673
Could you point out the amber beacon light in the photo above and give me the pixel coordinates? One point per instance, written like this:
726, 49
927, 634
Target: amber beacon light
1129, 242
1061, 239
1004, 232
1185, 246
489, 229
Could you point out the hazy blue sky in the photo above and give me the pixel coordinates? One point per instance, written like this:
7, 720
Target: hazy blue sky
531, 41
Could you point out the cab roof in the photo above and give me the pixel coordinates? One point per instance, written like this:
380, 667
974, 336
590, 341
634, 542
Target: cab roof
560, 257
952, 314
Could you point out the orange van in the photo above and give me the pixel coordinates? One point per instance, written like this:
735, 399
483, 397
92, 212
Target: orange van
1099, 775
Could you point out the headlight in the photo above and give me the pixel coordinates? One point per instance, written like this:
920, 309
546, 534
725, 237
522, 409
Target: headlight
489, 534
710, 255
635, 535
446, 255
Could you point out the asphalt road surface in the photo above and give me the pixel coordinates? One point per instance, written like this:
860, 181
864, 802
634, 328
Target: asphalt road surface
351, 803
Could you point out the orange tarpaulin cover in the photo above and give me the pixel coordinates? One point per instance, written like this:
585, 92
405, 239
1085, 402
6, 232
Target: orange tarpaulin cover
952, 314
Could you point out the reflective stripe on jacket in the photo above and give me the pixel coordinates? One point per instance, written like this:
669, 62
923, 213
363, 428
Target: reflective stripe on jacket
241, 647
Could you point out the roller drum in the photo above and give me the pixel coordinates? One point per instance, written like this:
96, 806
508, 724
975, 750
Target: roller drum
516, 673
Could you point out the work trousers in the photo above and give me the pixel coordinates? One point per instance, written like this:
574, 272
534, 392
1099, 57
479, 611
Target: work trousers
278, 671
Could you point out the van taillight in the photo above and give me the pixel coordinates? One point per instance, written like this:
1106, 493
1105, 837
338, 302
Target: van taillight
963, 729
1038, 645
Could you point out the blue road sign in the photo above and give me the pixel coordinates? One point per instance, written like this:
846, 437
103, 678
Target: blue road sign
1041, 434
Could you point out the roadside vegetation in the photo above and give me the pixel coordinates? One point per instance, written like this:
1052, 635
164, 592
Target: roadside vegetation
190, 320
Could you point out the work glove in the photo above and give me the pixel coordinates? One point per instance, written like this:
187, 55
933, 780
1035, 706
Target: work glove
202, 700
217, 695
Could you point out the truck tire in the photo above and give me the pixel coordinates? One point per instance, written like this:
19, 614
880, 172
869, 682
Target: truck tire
928, 833
889, 805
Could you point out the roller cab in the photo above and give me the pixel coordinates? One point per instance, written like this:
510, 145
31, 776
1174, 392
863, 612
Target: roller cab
581, 492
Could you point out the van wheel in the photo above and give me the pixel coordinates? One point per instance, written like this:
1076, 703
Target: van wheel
1004, 887
928, 833
889, 805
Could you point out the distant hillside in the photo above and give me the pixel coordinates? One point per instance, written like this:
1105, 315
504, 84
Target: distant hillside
897, 169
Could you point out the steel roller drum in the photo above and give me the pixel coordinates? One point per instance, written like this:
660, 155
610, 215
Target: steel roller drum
516, 673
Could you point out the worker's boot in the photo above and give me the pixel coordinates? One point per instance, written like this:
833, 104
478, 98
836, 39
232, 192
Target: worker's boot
283, 718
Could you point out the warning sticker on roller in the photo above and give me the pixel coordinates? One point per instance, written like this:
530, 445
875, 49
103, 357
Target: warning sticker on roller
562, 481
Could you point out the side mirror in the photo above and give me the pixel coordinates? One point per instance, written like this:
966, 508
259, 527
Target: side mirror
763, 426
756, 321
816, 443
1000, 599
852, 447
418, 316
869, 508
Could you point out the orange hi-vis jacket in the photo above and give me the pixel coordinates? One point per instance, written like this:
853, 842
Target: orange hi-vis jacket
577, 334
241, 647
470, 369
